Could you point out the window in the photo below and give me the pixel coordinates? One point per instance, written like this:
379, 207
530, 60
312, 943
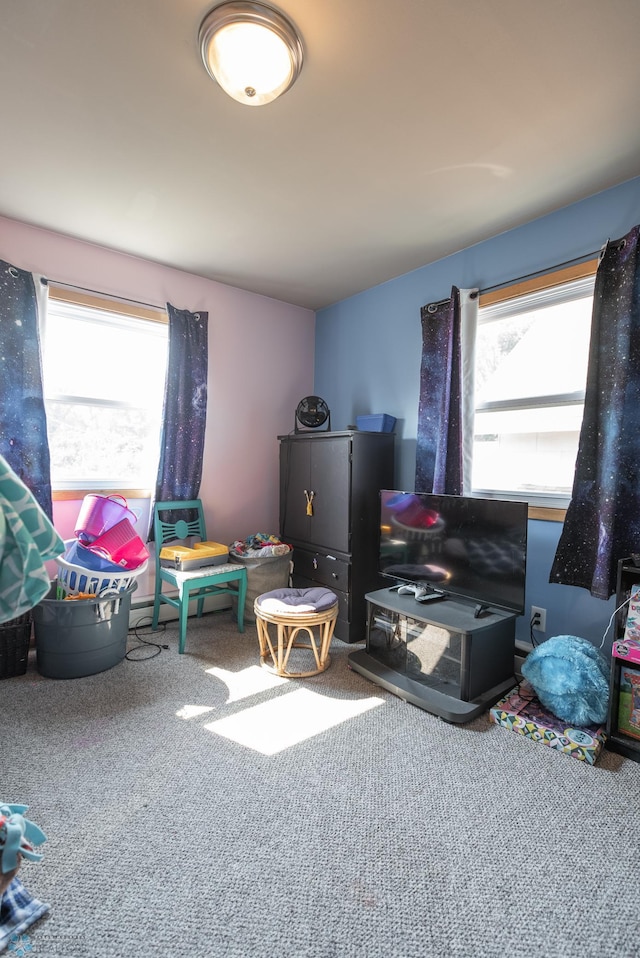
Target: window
104, 374
530, 375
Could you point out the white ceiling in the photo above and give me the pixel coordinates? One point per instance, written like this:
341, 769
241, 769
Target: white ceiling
416, 128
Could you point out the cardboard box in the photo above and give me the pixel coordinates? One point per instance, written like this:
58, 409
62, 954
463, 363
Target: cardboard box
522, 712
186, 558
628, 649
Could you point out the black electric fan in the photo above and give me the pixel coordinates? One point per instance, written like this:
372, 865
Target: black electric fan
312, 412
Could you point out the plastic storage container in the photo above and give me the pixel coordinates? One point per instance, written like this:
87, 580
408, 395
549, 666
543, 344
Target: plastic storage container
379, 423
81, 556
122, 545
99, 513
77, 637
81, 571
263, 575
186, 559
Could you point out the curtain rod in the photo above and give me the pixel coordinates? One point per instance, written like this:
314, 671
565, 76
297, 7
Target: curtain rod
541, 272
97, 292
619, 244
519, 279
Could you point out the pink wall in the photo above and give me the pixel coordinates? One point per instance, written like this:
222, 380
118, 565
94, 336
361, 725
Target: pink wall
261, 361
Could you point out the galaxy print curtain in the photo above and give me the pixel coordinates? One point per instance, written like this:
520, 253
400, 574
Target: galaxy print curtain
602, 523
445, 410
23, 422
185, 407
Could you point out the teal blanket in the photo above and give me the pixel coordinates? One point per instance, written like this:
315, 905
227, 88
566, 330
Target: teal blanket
27, 541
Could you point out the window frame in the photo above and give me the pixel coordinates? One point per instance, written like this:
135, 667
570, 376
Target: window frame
519, 289
121, 307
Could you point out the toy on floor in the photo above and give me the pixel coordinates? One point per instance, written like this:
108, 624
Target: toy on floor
521, 711
17, 837
570, 676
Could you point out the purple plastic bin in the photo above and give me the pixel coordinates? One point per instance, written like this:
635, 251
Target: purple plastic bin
99, 513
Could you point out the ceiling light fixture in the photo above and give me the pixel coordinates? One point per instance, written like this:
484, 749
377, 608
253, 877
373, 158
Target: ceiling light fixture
252, 50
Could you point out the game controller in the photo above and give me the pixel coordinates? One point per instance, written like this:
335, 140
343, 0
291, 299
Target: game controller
408, 589
421, 593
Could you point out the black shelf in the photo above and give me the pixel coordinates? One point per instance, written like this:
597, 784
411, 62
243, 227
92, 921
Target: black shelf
619, 734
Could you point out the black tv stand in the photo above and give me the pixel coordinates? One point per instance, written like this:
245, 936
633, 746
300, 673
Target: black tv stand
441, 657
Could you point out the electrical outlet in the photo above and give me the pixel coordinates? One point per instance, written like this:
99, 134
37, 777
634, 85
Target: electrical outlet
538, 618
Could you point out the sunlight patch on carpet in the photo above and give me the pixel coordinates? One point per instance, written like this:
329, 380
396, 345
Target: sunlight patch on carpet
289, 719
247, 682
193, 711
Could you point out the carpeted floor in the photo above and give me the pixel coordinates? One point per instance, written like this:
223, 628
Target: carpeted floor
197, 806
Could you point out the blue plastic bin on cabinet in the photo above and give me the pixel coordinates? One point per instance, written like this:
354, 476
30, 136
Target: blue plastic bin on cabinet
379, 423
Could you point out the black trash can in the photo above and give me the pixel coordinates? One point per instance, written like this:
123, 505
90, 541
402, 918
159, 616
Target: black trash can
77, 637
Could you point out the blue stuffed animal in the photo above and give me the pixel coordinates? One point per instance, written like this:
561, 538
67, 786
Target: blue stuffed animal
17, 837
570, 676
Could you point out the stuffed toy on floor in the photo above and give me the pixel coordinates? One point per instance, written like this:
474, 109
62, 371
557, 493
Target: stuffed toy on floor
570, 676
18, 909
18, 836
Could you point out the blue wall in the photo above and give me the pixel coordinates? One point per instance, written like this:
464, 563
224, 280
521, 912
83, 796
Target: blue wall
368, 361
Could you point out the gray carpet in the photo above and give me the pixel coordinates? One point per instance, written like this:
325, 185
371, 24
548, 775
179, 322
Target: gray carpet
227, 813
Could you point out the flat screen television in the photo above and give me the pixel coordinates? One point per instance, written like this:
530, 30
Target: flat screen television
463, 546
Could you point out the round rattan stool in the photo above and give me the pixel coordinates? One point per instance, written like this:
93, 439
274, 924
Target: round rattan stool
292, 611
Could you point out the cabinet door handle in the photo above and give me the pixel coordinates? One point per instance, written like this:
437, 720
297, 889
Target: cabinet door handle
309, 496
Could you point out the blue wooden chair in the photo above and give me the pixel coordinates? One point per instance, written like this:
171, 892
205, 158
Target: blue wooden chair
175, 522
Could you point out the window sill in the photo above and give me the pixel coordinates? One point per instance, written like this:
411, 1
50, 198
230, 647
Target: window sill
547, 513
66, 495
553, 510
